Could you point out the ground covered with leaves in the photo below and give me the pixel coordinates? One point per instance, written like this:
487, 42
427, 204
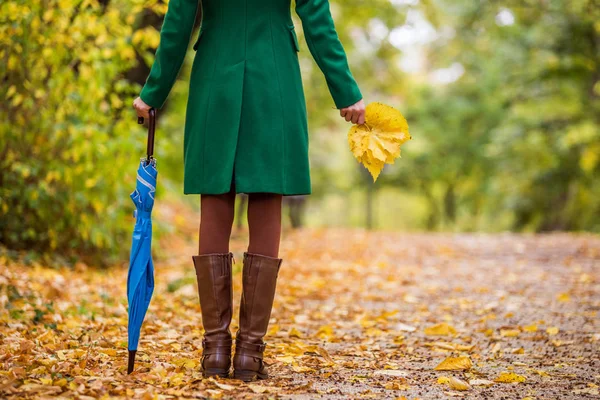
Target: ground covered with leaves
357, 315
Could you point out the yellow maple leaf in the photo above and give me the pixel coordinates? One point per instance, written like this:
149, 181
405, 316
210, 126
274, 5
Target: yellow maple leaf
378, 140
454, 363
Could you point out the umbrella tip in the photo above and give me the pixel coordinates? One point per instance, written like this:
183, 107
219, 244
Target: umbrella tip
131, 361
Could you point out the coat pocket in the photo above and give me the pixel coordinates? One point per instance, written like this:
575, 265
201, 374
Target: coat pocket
294, 37
198, 40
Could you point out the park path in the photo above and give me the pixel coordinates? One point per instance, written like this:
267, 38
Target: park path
357, 315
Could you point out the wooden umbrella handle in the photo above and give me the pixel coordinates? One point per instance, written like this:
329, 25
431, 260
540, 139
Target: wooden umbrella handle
151, 130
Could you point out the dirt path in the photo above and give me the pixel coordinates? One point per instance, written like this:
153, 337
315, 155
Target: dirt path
356, 315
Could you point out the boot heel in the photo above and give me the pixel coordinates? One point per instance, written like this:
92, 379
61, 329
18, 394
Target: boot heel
207, 373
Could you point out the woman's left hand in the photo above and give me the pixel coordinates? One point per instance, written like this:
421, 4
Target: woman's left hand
354, 113
141, 108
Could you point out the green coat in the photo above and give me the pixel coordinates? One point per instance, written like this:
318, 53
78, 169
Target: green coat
246, 122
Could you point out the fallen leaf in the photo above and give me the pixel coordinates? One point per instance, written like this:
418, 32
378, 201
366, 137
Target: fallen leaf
563, 297
286, 359
509, 332
552, 330
509, 377
455, 363
186, 363
223, 385
396, 384
450, 346
325, 332
300, 368
442, 329
294, 333
403, 327
480, 382
390, 372
454, 383
257, 388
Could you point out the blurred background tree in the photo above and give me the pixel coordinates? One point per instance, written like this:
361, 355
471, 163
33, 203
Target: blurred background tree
502, 99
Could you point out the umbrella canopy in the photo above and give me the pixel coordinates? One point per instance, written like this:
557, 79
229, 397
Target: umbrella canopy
140, 278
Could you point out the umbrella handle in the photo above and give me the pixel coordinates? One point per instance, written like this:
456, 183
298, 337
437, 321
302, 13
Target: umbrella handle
131, 361
151, 130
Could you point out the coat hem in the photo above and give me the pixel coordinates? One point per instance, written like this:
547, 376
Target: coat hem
242, 191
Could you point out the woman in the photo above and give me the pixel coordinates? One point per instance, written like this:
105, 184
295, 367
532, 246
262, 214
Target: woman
246, 132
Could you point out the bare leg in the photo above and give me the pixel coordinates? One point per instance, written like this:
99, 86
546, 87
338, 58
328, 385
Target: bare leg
216, 220
264, 222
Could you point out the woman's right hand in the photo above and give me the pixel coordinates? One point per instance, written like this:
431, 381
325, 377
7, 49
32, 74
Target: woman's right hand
354, 113
142, 109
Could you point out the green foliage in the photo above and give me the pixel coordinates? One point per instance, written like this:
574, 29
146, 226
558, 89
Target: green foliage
526, 138
513, 143
67, 156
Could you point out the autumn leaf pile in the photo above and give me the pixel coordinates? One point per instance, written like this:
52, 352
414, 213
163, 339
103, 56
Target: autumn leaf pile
378, 140
357, 314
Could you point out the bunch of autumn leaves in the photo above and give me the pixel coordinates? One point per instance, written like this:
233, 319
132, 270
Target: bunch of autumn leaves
377, 142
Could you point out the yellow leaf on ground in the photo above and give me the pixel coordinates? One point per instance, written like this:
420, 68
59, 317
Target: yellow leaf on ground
257, 388
60, 382
454, 383
325, 332
564, 297
396, 384
186, 363
510, 377
450, 346
442, 329
480, 382
294, 333
299, 368
286, 359
390, 372
509, 332
109, 352
455, 363
224, 386
552, 330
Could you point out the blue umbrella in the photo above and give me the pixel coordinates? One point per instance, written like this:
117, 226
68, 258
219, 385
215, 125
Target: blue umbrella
140, 278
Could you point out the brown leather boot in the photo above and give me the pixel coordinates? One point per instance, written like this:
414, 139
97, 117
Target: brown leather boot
213, 272
259, 278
